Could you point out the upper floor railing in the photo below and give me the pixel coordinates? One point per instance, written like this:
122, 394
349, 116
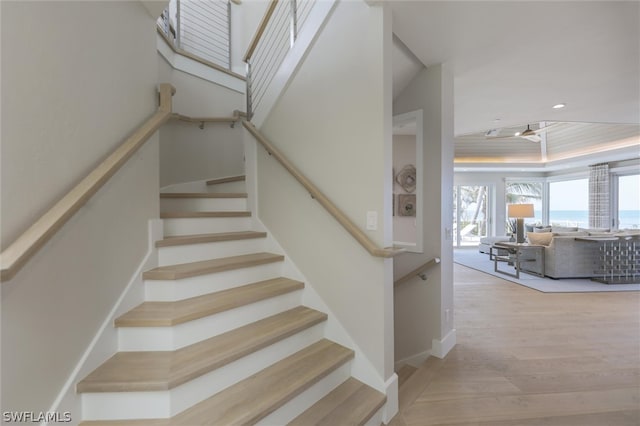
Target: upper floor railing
275, 36
201, 28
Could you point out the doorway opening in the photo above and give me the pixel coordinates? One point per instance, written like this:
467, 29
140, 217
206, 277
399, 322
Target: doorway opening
470, 214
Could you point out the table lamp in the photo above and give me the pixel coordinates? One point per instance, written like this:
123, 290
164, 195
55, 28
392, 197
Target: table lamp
519, 212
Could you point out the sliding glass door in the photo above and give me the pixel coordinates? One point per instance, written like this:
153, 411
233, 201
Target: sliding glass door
470, 214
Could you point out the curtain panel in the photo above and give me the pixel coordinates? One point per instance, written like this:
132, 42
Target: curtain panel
599, 210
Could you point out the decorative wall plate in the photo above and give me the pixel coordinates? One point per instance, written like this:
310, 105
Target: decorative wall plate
407, 205
406, 178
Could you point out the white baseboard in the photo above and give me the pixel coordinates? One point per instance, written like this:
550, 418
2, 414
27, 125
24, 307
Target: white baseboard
440, 348
390, 408
105, 342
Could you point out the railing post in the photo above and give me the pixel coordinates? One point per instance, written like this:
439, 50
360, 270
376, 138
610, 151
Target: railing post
166, 22
249, 92
294, 21
229, 31
178, 25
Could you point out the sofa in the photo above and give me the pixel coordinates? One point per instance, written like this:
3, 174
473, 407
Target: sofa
566, 257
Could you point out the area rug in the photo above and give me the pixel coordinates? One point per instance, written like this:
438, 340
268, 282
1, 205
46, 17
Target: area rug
479, 261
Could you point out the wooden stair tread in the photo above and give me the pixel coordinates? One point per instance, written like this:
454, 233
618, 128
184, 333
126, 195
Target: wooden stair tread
167, 314
162, 370
208, 238
203, 195
351, 403
188, 215
257, 396
241, 178
185, 270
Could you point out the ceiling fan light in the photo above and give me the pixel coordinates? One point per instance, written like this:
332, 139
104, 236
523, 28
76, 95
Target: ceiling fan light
527, 132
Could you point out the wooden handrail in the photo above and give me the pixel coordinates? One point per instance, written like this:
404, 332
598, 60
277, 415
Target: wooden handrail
360, 236
237, 116
261, 28
20, 251
417, 272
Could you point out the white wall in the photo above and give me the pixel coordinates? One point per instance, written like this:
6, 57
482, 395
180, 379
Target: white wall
332, 122
188, 153
77, 78
421, 307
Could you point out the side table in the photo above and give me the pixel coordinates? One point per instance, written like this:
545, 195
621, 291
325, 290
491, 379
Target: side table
518, 254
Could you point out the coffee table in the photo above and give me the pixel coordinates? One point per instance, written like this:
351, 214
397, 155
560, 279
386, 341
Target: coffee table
517, 255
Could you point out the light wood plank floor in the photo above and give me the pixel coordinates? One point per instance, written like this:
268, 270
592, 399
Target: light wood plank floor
529, 358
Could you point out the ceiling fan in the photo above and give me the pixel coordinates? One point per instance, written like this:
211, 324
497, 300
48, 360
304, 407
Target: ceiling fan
529, 134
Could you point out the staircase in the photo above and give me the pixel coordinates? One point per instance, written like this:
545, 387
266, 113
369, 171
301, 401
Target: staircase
222, 337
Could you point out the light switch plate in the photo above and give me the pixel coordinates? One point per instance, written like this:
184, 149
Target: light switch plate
372, 221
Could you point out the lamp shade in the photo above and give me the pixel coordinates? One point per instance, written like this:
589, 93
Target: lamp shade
520, 210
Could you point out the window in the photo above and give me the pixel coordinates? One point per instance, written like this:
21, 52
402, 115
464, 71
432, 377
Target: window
629, 202
569, 203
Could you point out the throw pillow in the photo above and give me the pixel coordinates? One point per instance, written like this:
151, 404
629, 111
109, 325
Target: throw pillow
540, 238
542, 229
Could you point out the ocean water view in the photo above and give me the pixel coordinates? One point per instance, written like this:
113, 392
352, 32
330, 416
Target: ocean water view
629, 219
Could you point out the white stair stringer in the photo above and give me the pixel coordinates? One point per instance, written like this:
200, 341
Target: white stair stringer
196, 252
172, 290
362, 368
181, 335
164, 404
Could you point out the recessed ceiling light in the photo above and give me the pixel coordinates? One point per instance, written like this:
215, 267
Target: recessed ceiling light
517, 134
559, 106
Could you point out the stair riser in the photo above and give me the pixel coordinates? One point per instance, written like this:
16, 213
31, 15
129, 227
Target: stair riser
162, 404
192, 226
228, 187
196, 252
171, 290
202, 204
176, 337
306, 399
201, 186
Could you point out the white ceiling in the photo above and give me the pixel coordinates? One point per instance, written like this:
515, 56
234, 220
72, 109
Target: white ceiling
513, 61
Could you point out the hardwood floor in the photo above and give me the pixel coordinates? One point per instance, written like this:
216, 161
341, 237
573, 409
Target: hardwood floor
529, 358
